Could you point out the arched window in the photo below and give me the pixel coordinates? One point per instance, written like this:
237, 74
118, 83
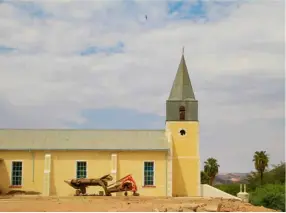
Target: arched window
182, 113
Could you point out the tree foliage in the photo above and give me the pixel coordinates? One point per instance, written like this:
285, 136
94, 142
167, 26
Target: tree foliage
277, 174
273, 176
260, 160
232, 189
205, 179
211, 169
270, 196
266, 187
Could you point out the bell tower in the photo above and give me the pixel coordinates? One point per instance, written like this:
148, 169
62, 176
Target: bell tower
182, 125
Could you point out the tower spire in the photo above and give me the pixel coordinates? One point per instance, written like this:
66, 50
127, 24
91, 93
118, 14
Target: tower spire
182, 87
183, 50
182, 103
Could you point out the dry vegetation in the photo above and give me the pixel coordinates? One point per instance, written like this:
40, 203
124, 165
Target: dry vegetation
21, 203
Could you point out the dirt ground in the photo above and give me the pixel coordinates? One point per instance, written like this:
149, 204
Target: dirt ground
128, 204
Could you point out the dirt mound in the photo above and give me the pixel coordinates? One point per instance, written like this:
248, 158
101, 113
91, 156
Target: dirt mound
209, 205
124, 204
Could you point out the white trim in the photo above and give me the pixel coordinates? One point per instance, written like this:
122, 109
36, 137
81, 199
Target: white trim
49, 169
76, 167
47, 174
154, 176
113, 167
170, 162
22, 174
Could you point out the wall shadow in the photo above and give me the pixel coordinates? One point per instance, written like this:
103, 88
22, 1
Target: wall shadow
4, 177
53, 188
178, 178
21, 192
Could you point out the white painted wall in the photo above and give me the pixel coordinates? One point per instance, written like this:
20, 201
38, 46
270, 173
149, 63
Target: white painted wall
209, 191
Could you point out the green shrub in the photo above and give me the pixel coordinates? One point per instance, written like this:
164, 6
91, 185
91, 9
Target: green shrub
232, 189
274, 176
205, 179
270, 196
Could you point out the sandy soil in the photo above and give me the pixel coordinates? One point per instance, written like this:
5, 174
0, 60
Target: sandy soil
127, 204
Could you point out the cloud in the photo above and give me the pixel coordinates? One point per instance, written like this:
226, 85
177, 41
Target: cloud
71, 58
112, 119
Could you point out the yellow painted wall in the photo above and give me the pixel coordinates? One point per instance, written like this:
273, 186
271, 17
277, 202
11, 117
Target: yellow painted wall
63, 166
186, 158
26, 158
132, 162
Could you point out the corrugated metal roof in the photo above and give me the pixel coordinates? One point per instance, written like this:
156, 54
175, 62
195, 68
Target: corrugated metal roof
64, 139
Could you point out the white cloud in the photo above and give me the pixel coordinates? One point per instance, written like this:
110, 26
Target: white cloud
47, 76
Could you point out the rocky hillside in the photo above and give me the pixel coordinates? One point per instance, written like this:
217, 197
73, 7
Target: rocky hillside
228, 178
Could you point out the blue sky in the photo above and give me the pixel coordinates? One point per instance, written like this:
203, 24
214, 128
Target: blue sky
4, 49
103, 65
117, 48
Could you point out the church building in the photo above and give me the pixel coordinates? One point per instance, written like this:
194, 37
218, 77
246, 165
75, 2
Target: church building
163, 162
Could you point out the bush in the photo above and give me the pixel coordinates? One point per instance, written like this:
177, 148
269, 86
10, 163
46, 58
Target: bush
232, 189
270, 196
274, 176
205, 179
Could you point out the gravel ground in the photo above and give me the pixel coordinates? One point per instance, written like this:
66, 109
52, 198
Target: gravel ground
24, 203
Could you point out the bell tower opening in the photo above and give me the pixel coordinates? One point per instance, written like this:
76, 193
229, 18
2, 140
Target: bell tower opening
182, 113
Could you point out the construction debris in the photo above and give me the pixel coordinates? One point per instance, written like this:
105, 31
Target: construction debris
124, 184
210, 208
189, 207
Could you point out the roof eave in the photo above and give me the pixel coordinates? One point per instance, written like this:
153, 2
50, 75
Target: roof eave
26, 149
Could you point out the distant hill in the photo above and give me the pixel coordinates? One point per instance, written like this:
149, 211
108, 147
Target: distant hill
228, 178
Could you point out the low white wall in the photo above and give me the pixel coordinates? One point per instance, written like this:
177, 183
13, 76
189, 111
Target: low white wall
209, 191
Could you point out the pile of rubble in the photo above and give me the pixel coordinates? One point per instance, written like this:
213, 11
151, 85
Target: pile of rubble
190, 208
214, 205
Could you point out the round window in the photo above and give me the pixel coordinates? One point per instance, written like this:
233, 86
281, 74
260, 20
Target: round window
182, 132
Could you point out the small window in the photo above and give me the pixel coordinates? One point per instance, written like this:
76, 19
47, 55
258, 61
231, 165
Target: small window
182, 113
17, 173
81, 169
149, 173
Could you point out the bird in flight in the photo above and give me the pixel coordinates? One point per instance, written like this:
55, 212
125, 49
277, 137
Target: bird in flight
146, 17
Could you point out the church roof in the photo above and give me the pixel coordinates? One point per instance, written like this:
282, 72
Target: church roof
68, 139
182, 88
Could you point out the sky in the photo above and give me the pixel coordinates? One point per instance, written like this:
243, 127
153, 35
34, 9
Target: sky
102, 65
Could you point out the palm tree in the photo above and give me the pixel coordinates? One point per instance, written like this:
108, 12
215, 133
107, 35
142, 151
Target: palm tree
211, 169
260, 160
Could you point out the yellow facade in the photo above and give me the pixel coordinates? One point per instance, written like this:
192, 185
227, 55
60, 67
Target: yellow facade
63, 166
186, 158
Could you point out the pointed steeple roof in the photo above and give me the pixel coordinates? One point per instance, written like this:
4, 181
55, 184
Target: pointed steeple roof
182, 88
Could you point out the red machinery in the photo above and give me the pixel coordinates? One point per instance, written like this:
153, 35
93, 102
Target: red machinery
125, 184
